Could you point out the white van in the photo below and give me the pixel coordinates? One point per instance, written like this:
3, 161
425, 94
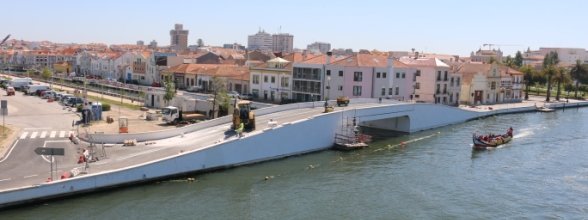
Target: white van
20, 83
32, 89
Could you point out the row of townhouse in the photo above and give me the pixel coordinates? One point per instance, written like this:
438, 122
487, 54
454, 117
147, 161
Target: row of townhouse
422, 79
35, 59
142, 67
202, 76
356, 76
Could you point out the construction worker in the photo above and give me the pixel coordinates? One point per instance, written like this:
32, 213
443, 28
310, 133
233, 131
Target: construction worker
239, 130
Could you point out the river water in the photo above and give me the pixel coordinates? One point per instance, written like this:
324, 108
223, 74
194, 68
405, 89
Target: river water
542, 173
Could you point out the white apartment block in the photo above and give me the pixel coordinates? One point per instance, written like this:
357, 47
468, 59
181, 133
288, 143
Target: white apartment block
567, 56
260, 41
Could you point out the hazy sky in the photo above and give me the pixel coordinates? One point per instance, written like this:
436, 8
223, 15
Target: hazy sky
448, 26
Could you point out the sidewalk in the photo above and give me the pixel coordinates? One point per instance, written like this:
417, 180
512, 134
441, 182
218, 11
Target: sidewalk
538, 101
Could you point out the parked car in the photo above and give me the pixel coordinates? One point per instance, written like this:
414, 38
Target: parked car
59, 96
233, 94
10, 91
74, 101
194, 89
40, 92
247, 96
48, 94
65, 99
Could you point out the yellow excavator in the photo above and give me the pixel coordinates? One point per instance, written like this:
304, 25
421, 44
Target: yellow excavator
243, 114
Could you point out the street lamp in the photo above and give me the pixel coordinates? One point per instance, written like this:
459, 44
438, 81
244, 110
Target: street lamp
328, 88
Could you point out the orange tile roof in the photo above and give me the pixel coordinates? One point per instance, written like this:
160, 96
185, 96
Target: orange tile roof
368, 60
219, 70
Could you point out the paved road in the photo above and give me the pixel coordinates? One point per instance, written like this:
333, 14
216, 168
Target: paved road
41, 124
34, 112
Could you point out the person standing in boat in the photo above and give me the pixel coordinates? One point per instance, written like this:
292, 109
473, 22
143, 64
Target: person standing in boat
509, 132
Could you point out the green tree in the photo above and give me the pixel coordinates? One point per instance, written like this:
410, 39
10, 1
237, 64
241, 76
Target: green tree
170, 89
579, 73
518, 59
46, 75
549, 72
219, 91
550, 63
551, 59
509, 61
529, 73
561, 76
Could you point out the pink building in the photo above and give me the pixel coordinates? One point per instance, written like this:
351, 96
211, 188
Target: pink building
354, 76
434, 81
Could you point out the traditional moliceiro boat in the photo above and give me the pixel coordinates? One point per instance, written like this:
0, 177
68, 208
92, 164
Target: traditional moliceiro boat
482, 142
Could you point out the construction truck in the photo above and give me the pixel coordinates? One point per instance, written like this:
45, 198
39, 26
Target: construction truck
342, 101
243, 114
172, 115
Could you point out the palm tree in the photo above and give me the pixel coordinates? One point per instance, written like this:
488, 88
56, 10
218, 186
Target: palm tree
578, 73
561, 76
549, 72
528, 78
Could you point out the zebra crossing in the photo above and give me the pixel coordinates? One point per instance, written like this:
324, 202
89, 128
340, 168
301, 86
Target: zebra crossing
45, 134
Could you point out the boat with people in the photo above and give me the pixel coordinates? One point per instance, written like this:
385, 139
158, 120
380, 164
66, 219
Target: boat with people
483, 142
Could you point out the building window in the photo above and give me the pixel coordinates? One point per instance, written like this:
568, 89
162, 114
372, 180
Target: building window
356, 90
273, 79
438, 88
384, 75
383, 91
403, 75
390, 91
397, 91
458, 81
340, 72
264, 79
357, 77
328, 72
255, 92
284, 82
397, 75
438, 75
378, 75
255, 80
445, 77
493, 86
340, 88
417, 85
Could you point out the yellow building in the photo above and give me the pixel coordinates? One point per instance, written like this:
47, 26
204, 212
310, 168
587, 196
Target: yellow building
62, 67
